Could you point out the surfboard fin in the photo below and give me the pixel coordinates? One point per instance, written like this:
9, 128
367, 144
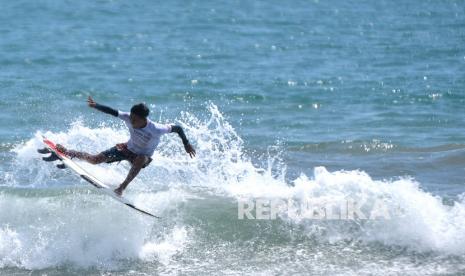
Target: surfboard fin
43, 151
61, 166
52, 157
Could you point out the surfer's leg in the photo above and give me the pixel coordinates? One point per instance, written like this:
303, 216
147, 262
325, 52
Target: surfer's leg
91, 158
137, 164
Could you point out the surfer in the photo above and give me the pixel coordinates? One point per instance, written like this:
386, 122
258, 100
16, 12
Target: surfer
144, 136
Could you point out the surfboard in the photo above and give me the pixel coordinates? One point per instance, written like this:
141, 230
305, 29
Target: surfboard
50, 147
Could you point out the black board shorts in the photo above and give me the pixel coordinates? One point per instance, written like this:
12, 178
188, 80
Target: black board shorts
113, 154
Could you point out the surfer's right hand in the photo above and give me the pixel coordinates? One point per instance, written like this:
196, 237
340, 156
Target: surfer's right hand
91, 102
121, 146
190, 150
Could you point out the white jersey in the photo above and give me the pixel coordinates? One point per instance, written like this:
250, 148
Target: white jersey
144, 141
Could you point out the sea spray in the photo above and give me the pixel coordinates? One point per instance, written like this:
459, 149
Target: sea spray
54, 218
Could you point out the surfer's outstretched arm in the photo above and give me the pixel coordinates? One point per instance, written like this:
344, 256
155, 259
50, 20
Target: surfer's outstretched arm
103, 108
187, 146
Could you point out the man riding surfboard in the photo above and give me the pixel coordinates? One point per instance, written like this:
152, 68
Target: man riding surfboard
144, 136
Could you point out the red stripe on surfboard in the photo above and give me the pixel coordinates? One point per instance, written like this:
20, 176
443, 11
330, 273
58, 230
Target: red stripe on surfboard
53, 147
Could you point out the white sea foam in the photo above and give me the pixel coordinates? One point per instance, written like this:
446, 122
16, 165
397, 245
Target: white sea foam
85, 228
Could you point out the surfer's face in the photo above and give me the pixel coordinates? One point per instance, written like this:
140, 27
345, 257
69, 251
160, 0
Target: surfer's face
136, 121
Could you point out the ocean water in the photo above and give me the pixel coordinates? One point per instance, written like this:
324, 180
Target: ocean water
283, 100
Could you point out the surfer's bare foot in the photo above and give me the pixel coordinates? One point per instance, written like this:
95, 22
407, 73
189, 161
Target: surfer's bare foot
70, 153
61, 148
118, 191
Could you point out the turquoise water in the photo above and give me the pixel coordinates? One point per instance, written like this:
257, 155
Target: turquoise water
290, 100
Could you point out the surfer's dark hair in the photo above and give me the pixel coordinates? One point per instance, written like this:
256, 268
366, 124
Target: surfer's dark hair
140, 110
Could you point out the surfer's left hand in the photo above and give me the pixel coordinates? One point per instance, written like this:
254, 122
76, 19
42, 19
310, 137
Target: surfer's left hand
91, 102
189, 149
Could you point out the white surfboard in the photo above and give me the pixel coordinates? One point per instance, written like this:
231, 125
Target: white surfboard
90, 178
